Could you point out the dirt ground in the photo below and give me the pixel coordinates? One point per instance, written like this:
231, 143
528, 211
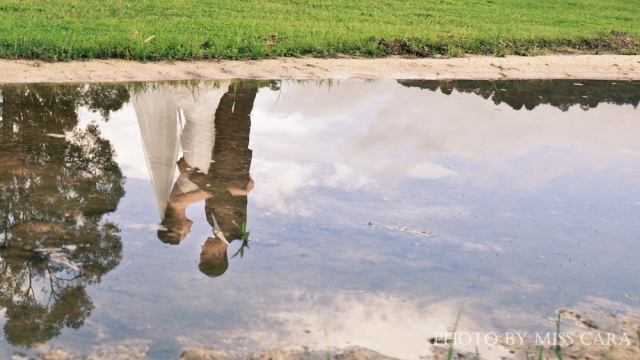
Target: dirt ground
611, 67
589, 324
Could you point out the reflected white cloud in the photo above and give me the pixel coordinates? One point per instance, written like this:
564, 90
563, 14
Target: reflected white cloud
279, 181
385, 323
388, 132
428, 170
123, 132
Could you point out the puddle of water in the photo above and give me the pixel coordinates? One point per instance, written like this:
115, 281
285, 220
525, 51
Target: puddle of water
355, 212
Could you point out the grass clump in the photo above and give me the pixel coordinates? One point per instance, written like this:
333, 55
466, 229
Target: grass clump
254, 29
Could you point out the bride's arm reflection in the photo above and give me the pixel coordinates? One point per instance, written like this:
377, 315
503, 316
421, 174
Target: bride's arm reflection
195, 109
184, 193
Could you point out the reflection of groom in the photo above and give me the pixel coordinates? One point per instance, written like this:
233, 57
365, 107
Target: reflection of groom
228, 181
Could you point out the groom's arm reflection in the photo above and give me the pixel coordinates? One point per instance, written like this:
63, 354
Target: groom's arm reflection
228, 181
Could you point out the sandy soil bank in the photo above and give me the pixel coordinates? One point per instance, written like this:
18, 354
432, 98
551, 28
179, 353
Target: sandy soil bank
612, 67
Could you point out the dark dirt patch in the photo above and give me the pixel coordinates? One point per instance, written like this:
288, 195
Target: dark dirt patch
613, 42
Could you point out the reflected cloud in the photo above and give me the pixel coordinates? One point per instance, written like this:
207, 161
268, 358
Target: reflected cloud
430, 171
381, 322
389, 132
280, 181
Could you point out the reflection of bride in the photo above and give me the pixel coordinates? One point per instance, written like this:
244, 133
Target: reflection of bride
160, 113
225, 184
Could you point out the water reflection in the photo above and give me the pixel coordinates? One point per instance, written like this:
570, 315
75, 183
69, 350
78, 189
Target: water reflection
57, 182
379, 207
210, 126
530, 94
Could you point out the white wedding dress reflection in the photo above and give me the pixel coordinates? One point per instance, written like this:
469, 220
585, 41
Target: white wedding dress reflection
166, 115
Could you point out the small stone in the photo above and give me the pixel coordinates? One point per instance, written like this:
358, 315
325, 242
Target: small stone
70, 247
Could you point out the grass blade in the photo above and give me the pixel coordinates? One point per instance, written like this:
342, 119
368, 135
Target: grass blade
455, 328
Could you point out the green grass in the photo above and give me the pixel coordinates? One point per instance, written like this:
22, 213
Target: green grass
245, 238
252, 29
455, 328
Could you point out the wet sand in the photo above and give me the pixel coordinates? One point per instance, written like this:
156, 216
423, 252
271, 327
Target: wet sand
612, 67
595, 323
588, 323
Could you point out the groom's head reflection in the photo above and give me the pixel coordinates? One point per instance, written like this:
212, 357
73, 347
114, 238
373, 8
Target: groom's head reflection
213, 257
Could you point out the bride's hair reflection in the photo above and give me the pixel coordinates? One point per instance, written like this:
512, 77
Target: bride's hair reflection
172, 231
175, 224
